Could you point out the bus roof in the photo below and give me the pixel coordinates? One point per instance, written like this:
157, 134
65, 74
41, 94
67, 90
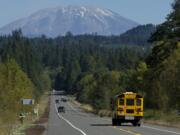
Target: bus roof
128, 93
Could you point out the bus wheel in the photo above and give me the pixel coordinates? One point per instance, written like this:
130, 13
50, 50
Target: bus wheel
134, 123
119, 123
114, 122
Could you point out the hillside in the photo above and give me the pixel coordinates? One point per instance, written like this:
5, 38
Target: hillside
138, 35
53, 22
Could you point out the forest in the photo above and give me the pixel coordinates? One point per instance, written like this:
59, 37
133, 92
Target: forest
94, 68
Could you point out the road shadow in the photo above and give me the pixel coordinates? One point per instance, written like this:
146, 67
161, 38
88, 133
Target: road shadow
101, 125
125, 125
110, 125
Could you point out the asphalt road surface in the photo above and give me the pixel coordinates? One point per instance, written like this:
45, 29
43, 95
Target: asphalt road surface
77, 122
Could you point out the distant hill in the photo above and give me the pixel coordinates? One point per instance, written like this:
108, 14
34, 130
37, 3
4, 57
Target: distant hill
53, 22
138, 35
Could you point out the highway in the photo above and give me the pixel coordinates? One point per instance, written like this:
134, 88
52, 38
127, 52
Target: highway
77, 122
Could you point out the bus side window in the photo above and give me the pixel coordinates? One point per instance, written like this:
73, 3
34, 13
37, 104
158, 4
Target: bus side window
138, 102
121, 101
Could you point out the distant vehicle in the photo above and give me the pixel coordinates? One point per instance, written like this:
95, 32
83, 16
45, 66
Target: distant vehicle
57, 101
61, 109
63, 99
127, 107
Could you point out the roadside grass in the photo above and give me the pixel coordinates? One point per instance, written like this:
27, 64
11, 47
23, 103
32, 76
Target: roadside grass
88, 108
157, 117
6, 119
105, 113
10, 124
85, 107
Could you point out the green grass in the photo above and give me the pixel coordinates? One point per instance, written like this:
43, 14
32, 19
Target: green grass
9, 122
162, 118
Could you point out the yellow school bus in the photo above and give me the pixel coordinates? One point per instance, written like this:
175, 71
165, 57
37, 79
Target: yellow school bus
127, 107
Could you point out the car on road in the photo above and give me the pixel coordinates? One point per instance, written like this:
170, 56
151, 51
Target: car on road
63, 99
61, 109
57, 101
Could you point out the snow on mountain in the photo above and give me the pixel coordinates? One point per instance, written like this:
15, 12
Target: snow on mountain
76, 19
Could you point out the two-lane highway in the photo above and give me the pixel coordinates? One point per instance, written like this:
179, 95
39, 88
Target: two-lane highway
77, 122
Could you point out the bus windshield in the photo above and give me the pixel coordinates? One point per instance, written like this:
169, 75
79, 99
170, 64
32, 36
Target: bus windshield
129, 102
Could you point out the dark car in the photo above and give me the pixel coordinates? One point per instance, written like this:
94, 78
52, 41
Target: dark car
64, 99
61, 109
57, 101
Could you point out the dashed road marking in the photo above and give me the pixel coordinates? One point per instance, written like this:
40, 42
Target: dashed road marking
127, 131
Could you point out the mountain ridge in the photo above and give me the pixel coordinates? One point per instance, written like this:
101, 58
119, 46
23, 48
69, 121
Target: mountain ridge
76, 19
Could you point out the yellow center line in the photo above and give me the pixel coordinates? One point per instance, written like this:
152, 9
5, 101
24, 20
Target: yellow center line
127, 131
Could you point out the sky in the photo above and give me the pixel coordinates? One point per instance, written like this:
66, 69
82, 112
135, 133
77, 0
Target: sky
141, 11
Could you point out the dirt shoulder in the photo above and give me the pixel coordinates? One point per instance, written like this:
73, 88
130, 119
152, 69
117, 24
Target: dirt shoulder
39, 126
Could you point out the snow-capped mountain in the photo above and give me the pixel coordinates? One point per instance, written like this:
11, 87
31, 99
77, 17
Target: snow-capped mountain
76, 19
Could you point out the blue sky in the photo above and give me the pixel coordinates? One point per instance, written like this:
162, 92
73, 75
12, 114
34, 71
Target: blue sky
141, 11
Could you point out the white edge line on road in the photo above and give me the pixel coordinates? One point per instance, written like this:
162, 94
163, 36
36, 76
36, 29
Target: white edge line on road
162, 130
61, 117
